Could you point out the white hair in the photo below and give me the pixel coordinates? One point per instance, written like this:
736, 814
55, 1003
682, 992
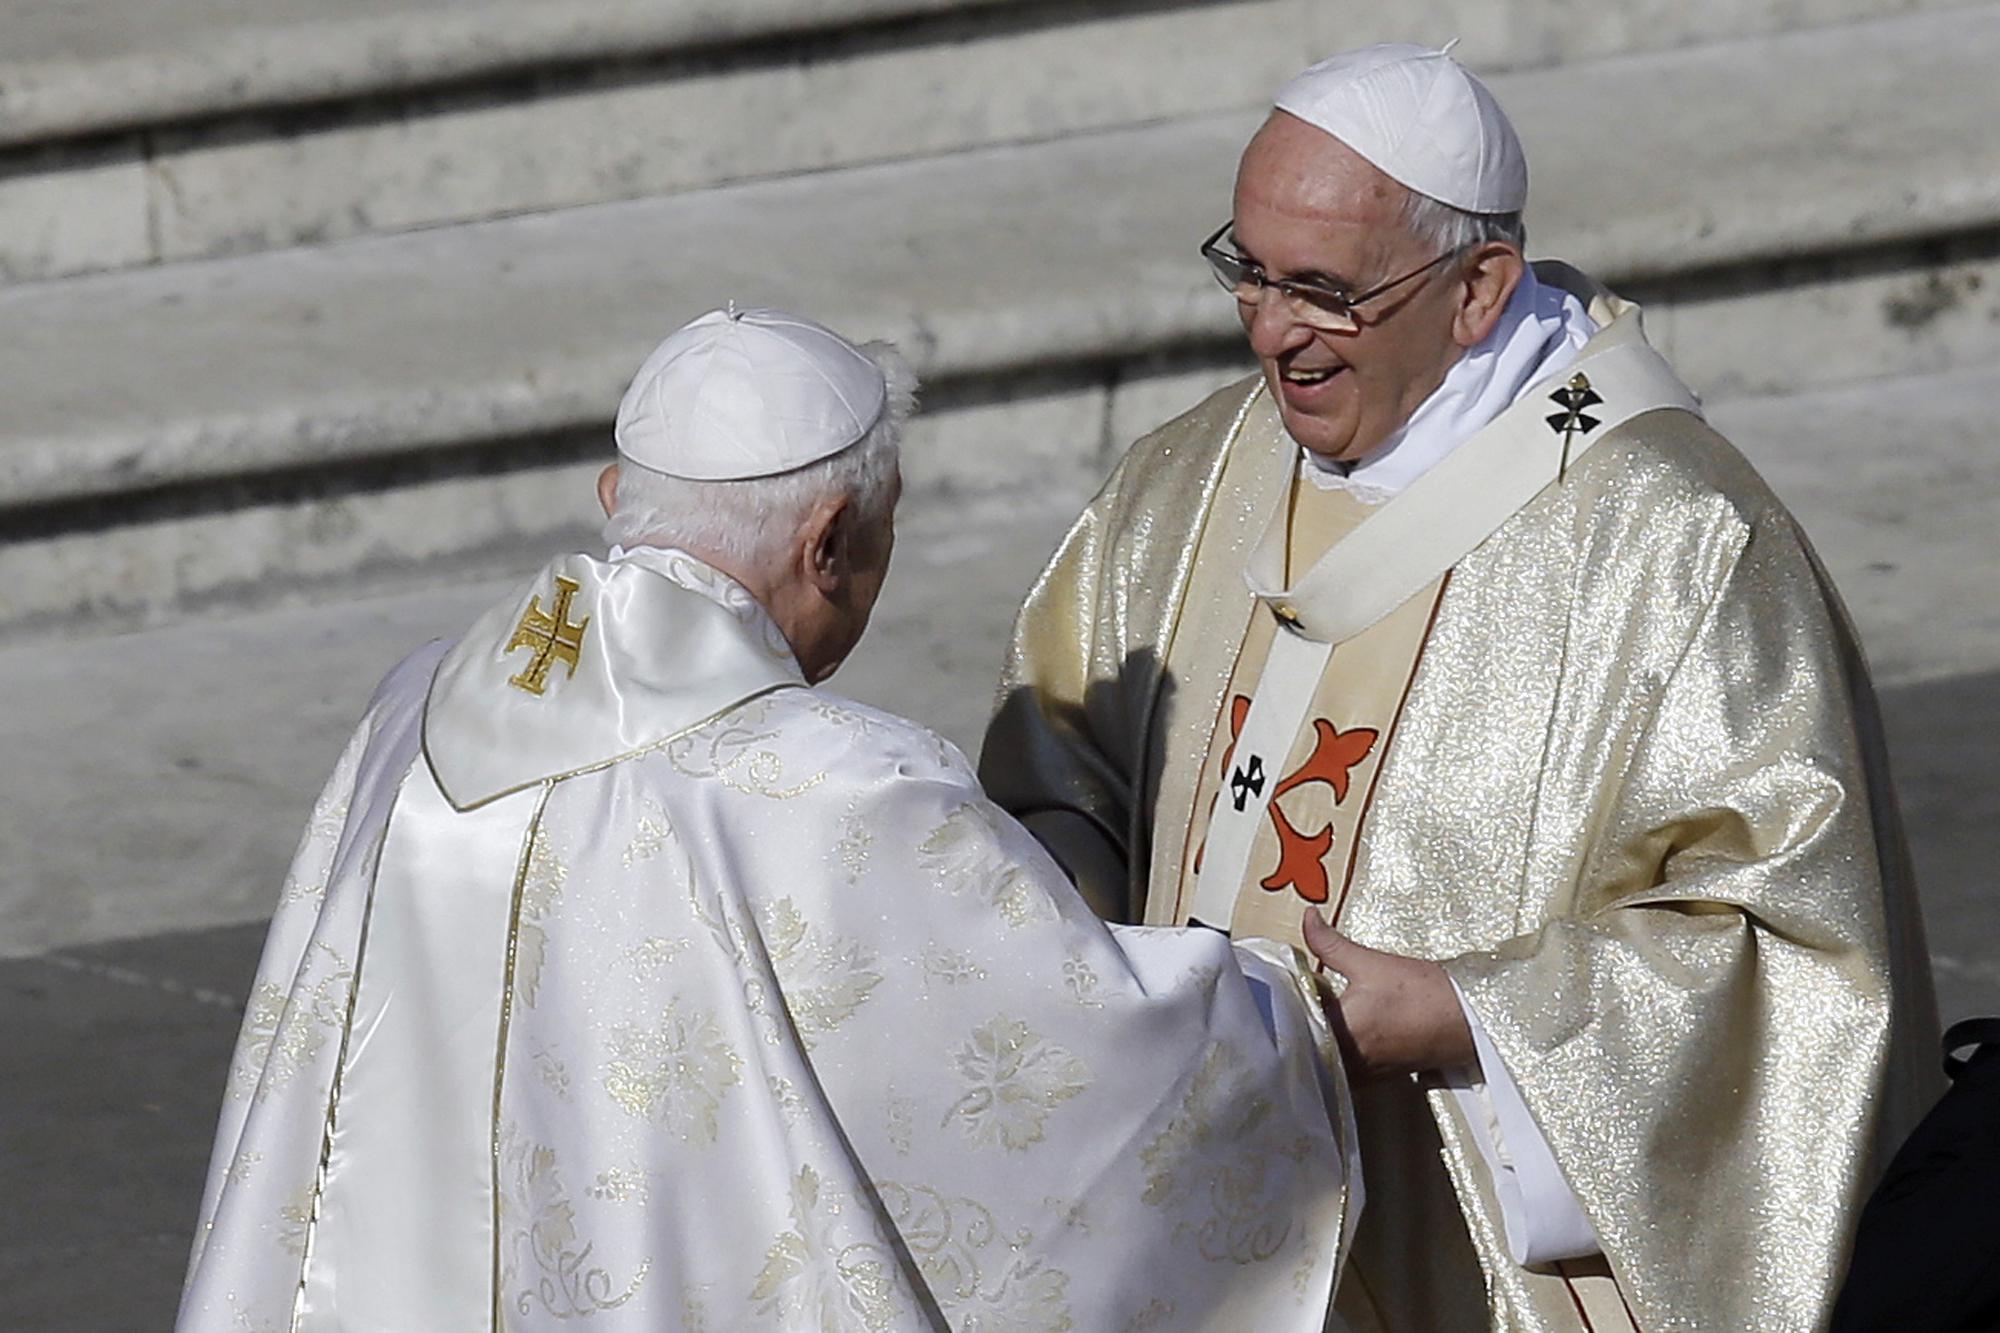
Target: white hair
1449, 230
744, 520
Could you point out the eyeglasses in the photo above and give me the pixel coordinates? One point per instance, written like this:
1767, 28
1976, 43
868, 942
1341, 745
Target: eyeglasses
1325, 308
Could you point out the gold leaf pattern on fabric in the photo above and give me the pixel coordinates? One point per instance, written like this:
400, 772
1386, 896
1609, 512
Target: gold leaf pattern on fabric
673, 1072
541, 890
250, 1322
545, 1262
653, 833
790, 1105
552, 1071
1153, 1314
621, 1184
329, 815
1220, 1166
817, 1278
950, 966
741, 752
295, 1222
283, 1033
1081, 979
964, 856
1016, 1078
824, 978
981, 1274
856, 841
899, 1124
650, 958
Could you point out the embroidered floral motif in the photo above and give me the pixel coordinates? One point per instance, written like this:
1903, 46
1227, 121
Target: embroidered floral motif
542, 1260
329, 816
977, 1271
295, 1222
653, 833
650, 958
621, 1184
824, 979
740, 752
1081, 979
673, 1073
1016, 1079
1220, 1165
950, 966
1154, 1314
964, 856
284, 1033
818, 1278
900, 1123
542, 884
554, 1074
790, 1105
856, 842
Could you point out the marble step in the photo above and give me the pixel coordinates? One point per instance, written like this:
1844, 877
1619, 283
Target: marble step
200, 129
158, 780
314, 421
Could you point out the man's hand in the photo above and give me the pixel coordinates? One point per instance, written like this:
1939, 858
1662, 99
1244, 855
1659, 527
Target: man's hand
1398, 1015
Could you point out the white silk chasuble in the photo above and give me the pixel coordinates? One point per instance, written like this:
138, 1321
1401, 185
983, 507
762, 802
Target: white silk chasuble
680, 995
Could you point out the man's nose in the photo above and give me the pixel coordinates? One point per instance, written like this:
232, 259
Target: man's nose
1273, 328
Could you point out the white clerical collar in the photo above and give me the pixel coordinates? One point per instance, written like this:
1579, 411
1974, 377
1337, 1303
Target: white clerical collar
1539, 334
698, 576
590, 661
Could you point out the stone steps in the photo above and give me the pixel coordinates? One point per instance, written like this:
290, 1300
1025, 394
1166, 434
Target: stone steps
323, 420
135, 134
182, 813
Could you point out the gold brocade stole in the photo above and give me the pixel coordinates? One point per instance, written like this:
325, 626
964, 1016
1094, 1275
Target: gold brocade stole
1304, 851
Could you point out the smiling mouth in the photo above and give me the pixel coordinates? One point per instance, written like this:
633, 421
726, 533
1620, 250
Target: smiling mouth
1305, 378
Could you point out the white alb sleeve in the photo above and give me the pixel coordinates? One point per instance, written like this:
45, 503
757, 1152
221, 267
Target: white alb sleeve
1541, 1215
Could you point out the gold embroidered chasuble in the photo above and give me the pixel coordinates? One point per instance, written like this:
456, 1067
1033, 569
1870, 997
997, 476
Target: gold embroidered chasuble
1636, 800
621, 977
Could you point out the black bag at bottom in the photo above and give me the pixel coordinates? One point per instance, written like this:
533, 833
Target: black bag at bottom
1927, 1250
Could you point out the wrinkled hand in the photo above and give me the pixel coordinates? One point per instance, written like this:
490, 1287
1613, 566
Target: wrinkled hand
1397, 1016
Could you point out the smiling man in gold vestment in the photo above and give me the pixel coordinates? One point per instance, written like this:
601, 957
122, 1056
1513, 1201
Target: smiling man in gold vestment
1459, 626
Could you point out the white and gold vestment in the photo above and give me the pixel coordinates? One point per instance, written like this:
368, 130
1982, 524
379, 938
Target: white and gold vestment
621, 977
1577, 714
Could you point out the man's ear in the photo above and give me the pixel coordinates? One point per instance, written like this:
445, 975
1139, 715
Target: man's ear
1492, 272
825, 544
607, 489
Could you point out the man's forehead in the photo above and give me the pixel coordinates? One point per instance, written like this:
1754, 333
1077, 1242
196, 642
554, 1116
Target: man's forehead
1293, 171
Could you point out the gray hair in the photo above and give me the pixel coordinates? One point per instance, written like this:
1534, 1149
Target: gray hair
1449, 230
741, 520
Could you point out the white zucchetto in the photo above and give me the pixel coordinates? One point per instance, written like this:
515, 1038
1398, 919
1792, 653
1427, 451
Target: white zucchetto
1422, 118
738, 394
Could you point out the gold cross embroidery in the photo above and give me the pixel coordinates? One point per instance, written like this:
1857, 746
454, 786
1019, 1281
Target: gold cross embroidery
550, 635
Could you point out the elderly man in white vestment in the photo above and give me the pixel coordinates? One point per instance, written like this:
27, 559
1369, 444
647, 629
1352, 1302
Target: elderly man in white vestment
1458, 625
626, 975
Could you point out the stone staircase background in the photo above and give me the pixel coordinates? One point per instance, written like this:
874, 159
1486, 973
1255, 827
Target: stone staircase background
309, 305
309, 301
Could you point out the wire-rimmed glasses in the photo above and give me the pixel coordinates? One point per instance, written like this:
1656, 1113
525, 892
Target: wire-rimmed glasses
1325, 308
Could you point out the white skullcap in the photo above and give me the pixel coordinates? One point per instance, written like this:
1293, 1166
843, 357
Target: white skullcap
748, 393
1422, 118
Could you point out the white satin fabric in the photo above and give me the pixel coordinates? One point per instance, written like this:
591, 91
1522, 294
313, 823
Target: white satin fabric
1541, 332
758, 1017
